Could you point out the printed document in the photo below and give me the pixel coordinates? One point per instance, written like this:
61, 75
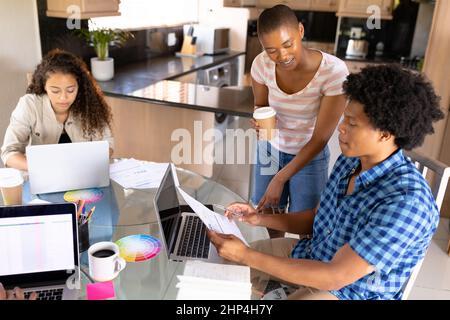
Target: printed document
131, 173
211, 219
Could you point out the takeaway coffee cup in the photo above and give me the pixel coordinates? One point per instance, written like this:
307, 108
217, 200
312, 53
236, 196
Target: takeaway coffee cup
11, 182
104, 261
265, 117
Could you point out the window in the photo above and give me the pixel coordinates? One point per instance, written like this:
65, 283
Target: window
138, 14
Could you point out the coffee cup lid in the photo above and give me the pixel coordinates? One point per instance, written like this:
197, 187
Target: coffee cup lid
264, 113
10, 177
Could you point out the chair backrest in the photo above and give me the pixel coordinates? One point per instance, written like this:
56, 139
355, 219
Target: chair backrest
438, 185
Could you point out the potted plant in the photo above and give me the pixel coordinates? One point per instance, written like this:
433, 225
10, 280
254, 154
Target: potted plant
102, 66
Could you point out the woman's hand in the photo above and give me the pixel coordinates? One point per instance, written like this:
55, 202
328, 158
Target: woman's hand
228, 246
255, 126
243, 212
271, 197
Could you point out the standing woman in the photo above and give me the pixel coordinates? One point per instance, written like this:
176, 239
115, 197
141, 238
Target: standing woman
63, 104
304, 86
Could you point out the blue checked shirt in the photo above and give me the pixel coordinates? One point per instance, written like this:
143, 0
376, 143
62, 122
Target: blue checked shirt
388, 221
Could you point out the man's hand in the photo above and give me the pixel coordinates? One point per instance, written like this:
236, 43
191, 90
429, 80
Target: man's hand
229, 246
16, 294
243, 212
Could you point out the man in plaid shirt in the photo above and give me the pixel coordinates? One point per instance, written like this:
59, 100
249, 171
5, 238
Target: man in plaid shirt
376, 216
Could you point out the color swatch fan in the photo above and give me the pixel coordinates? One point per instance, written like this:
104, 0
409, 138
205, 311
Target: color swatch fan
139, 247
89, 195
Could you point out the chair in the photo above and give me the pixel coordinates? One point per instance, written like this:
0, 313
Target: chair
438, 188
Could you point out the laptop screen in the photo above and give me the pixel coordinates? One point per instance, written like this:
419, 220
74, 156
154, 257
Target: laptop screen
168, 208
47, 163
37, 243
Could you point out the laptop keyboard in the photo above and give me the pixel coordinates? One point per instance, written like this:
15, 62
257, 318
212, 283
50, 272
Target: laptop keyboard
51, 294
195, 241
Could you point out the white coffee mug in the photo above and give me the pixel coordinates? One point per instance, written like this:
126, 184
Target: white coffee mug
104, 261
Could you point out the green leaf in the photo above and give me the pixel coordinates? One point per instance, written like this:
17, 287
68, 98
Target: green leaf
102, 38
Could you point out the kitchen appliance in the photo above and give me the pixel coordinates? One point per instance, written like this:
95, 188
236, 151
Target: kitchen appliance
210, 40
357, 47
221, 75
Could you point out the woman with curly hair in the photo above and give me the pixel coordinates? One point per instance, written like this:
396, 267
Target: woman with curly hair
63, 104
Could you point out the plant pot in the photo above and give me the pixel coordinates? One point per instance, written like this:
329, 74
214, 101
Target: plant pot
102, 70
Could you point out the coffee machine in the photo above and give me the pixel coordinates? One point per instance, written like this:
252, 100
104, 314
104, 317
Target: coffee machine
357, 47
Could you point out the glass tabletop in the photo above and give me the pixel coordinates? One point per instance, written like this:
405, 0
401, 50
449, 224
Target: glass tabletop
123, 212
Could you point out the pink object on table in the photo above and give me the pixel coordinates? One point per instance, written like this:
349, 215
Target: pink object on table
100, 290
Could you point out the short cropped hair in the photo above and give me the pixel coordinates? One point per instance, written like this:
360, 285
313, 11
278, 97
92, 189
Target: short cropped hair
396, 100
273, 18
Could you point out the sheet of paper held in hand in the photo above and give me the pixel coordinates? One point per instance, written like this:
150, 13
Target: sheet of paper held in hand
211, 219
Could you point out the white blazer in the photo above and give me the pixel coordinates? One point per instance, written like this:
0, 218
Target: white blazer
33, 121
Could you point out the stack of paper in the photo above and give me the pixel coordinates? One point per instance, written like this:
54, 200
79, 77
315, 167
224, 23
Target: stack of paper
211, 281
131, 173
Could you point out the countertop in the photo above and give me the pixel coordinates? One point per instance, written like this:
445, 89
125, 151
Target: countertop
233, 100
150, 81
369, 59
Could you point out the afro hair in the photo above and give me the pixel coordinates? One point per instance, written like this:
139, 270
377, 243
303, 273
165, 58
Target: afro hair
396, 100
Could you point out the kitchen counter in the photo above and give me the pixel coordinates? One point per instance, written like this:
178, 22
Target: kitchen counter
150, 81
369, 59
236, 100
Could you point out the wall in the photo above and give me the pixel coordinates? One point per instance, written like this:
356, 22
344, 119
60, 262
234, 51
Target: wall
422, 31
212, 12
437, 69
20, 53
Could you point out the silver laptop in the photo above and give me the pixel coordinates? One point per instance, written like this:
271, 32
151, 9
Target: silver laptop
68, 166
183, 232
39, 250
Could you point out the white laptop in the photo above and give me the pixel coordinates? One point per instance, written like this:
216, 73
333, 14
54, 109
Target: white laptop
39, 250
68, 166
183, 232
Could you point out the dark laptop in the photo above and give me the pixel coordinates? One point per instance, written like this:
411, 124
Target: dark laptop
184, 233
39, 250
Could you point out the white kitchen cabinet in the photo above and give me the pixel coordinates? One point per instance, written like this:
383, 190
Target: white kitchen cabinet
300, 4
305, 5
324, 5
358, 8
239, 3
86, 8
271, 3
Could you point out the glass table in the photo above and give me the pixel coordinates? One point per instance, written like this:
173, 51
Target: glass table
123, 212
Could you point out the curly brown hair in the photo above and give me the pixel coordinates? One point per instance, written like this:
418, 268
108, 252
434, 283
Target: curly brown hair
89, 106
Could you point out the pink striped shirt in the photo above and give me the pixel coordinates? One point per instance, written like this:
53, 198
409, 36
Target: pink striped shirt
297, 112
